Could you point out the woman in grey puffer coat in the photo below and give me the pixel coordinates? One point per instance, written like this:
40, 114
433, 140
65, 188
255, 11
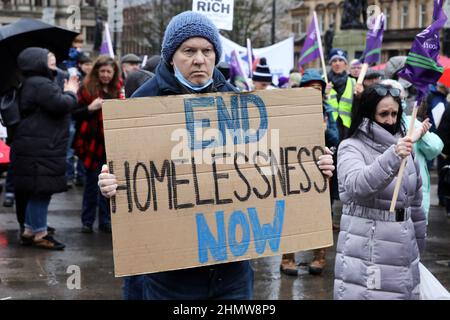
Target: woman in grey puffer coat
378, 251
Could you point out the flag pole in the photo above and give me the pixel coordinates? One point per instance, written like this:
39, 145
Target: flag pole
439, 18
403, 164
365, 65
108, 41
363, 72
319, 42
249, 57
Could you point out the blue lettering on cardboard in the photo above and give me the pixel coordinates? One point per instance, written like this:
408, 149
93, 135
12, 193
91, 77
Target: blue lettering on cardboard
232, 123
207, 241
192, 124
267, 233
261, 234
225, 120
238, 218
245, 100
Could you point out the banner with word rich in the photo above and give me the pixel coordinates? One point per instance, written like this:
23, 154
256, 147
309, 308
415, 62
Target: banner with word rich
208, 179
219, 11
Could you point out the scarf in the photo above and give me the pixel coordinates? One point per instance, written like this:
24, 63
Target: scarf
339, 82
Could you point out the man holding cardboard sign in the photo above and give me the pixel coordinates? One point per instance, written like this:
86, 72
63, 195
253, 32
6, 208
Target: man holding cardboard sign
157, 199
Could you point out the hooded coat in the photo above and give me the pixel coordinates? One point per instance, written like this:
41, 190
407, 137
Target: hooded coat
426, 148
377, 256
41, 137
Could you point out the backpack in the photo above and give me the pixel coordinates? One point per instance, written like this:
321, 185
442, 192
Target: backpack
9, 107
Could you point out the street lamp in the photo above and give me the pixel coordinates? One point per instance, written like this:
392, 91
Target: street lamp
274, 6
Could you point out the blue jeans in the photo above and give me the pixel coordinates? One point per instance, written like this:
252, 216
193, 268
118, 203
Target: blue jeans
36, 213
228, 281
133, 287
92, 198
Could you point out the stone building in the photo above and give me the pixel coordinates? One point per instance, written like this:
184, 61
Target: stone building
136, 15
13, 10
404, 19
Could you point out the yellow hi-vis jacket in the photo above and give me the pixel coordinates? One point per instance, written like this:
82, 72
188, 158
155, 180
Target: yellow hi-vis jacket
343, 108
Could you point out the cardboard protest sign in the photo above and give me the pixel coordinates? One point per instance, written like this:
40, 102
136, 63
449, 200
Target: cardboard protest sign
220, 12
207, 179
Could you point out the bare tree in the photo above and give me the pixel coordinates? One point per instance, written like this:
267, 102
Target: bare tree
252, 20
160, 13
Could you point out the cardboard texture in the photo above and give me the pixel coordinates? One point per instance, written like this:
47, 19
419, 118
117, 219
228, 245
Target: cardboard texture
184, 202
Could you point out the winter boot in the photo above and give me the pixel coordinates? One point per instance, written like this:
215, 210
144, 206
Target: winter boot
288, 266
316, 266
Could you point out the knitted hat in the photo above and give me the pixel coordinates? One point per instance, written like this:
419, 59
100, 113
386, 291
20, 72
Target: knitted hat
295, 78
262, 72
188, 25
337, 53
283, 82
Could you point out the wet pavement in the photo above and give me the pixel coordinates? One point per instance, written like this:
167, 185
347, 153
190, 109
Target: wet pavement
30, 273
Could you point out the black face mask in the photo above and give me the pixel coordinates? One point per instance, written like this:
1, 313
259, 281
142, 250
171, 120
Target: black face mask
391, 128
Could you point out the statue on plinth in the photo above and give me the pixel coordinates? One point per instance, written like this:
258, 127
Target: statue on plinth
353, 9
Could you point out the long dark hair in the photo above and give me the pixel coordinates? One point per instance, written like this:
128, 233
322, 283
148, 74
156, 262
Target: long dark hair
92, 81
366, 106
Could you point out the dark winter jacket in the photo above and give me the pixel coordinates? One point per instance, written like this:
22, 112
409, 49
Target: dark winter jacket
332, 132
136, 79
444, 131
192, 281
435, 98
40, 139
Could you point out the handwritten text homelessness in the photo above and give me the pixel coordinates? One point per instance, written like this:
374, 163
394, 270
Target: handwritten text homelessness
279, 182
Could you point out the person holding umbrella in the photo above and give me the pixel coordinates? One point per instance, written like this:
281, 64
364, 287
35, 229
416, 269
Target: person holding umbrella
40, 143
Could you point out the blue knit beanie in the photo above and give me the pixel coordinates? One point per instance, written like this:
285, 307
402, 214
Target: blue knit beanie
188, 25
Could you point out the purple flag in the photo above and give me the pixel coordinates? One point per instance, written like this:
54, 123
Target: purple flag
236, 71
374, 40
107, 47
422, 68
310, 50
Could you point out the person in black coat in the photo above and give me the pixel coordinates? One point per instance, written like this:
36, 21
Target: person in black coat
443, 131
40, 142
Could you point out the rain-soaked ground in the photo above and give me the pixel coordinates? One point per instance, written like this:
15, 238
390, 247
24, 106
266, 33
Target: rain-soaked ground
30, 273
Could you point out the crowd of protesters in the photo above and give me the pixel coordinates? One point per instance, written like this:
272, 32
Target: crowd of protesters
364, 124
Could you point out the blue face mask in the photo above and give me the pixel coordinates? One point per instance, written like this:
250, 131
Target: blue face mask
186, 83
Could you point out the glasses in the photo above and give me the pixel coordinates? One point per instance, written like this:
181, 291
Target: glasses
382, 91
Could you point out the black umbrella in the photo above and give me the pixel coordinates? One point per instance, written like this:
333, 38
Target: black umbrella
26, 33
